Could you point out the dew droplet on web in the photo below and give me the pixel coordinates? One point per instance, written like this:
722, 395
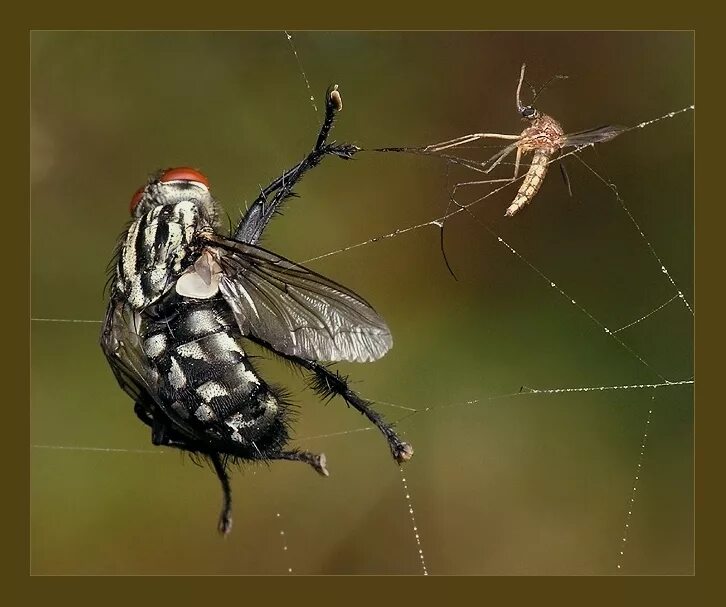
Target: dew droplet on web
284, 540
416, 535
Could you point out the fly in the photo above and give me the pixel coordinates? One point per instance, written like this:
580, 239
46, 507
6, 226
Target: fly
185, 300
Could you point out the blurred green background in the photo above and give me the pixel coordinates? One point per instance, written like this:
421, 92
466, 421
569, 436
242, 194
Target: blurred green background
529, 484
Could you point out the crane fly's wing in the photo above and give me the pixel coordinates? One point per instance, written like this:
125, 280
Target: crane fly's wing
295, 310
598, 135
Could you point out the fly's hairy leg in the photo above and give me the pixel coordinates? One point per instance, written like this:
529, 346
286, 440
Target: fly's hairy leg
164, 436
268, 203
329, 384
318, 461
225, 516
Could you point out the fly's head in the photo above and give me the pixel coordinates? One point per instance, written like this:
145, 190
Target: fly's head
172, 186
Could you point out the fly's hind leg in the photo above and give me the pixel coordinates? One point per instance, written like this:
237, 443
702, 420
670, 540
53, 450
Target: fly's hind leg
316, 460
328, 384
225, 516
162, 435
143, 413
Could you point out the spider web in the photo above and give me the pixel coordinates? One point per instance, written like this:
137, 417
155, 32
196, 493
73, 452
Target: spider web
420, 536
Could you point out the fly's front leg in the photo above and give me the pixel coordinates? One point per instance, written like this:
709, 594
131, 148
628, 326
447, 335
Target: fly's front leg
268, 203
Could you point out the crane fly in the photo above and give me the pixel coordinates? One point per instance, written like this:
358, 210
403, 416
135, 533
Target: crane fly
544, 136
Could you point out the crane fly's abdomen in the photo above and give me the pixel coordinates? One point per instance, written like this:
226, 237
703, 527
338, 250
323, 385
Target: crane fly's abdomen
206, 381
532, 182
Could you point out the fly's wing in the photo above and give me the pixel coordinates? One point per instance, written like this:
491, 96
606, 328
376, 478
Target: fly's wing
598, 135
295, 310
121, 344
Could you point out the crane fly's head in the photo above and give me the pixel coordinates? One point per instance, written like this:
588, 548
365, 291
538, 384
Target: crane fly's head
172, 186
528, 113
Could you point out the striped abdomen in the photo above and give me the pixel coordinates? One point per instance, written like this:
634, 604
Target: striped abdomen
207, 385
532, 182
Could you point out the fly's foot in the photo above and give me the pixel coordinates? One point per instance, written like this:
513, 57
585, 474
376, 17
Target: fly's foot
319, 462
402, 452
225, 524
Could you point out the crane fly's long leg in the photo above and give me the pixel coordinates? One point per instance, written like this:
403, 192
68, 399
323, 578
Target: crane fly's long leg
499, 157
225, 516
264, 207
481, 182
516, 163
452, 143
481, 167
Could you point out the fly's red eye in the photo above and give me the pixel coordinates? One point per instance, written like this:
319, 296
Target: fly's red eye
136, 198
183, 174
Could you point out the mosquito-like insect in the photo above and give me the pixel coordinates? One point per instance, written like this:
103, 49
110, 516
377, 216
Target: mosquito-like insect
186, 297
544, 136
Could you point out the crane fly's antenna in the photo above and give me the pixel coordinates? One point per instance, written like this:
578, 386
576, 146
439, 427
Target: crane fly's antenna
520, 107
535, 92
546, 84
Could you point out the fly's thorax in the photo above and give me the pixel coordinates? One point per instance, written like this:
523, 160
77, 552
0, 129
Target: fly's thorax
543, 133
157, 248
